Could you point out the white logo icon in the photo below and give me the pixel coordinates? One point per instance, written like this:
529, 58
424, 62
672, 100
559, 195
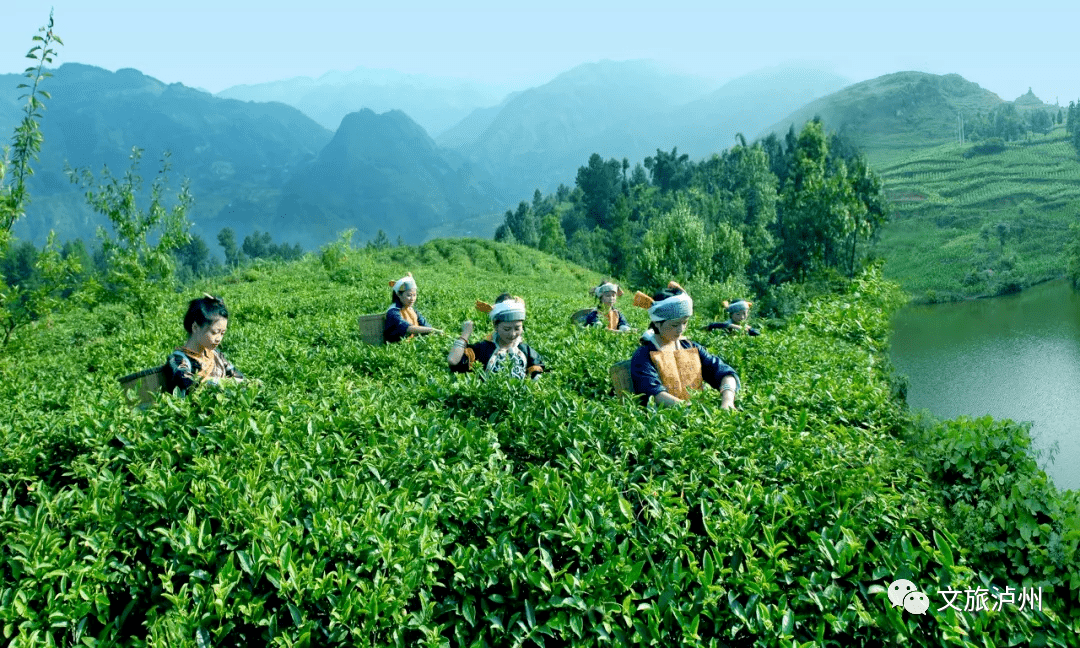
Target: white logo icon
903, 593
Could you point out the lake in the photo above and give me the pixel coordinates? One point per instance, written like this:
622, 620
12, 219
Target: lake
1016, 357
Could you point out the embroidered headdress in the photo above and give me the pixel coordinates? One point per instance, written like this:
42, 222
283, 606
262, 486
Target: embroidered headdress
737, 305
509, 310
607, 287
403, 284
673, 307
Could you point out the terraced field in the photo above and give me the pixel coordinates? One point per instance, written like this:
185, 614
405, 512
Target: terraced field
968, 225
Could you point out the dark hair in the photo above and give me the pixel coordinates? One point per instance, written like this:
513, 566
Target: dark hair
394, 298
661, 296
203, 310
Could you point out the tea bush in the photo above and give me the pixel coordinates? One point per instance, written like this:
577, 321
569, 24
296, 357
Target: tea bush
361, 495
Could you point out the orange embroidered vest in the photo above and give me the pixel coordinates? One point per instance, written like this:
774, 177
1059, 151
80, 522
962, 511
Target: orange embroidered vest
679, 370
613, 320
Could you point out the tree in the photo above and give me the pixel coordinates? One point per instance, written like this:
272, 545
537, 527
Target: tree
1040, 121
600, 185
676, 246
538, 202
873, 210
523, 224
380, 242
227, 240
53, 275
193, 256
552, 237
729, 256
816, 210
745, 187
670, 171
137, 269
27, 140
589, 249
504, 234
258, 245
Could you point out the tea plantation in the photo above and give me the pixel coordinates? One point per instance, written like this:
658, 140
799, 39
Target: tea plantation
363, 496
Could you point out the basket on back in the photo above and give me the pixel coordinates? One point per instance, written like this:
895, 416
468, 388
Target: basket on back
620, 378
141, 386
580, 316
371, 328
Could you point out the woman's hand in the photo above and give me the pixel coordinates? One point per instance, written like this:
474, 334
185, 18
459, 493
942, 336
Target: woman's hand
466, 329
727, 393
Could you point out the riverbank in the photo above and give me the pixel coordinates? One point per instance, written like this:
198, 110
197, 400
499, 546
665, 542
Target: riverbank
932, 297
957, 357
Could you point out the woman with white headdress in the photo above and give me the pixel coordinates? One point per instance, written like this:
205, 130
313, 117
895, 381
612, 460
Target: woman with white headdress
503, 351
667, 366
605, 312
402, 320
738, 312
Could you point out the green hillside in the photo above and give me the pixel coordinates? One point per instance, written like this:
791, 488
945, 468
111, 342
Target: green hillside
896, 114
363, 496
966, 225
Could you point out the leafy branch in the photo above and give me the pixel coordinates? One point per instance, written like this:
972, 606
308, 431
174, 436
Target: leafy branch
137, 266
26, 142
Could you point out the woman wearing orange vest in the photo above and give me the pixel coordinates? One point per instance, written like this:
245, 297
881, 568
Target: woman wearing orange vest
605, 312
402, 320
667, 366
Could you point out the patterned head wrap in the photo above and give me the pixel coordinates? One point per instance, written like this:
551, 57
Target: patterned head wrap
737, 305
510, 310
666, 309
607, 287
403, 284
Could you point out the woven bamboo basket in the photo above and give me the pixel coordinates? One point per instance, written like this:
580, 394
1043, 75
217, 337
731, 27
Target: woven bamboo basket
371, 328
579, 316
620, 378
141, 386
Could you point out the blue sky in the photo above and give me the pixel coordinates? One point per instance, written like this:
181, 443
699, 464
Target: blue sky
214, 45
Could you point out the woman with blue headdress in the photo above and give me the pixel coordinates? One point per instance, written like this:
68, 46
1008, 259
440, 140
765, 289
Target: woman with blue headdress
504, 351
667, 366
738, 312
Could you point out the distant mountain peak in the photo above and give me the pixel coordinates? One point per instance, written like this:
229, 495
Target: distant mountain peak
1028, 99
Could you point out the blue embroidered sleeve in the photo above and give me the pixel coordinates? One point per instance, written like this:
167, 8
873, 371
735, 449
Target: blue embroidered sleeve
644, 375
230, 369
593, 318
534, 362
713, 369
180, 373
395, 328
623, 324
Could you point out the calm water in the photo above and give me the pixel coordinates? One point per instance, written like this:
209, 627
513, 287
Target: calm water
1014, 357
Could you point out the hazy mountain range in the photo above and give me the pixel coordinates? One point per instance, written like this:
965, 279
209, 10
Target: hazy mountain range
267, 165
433, 102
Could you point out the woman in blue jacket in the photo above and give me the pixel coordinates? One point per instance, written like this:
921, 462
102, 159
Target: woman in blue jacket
402, 320
667, 366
